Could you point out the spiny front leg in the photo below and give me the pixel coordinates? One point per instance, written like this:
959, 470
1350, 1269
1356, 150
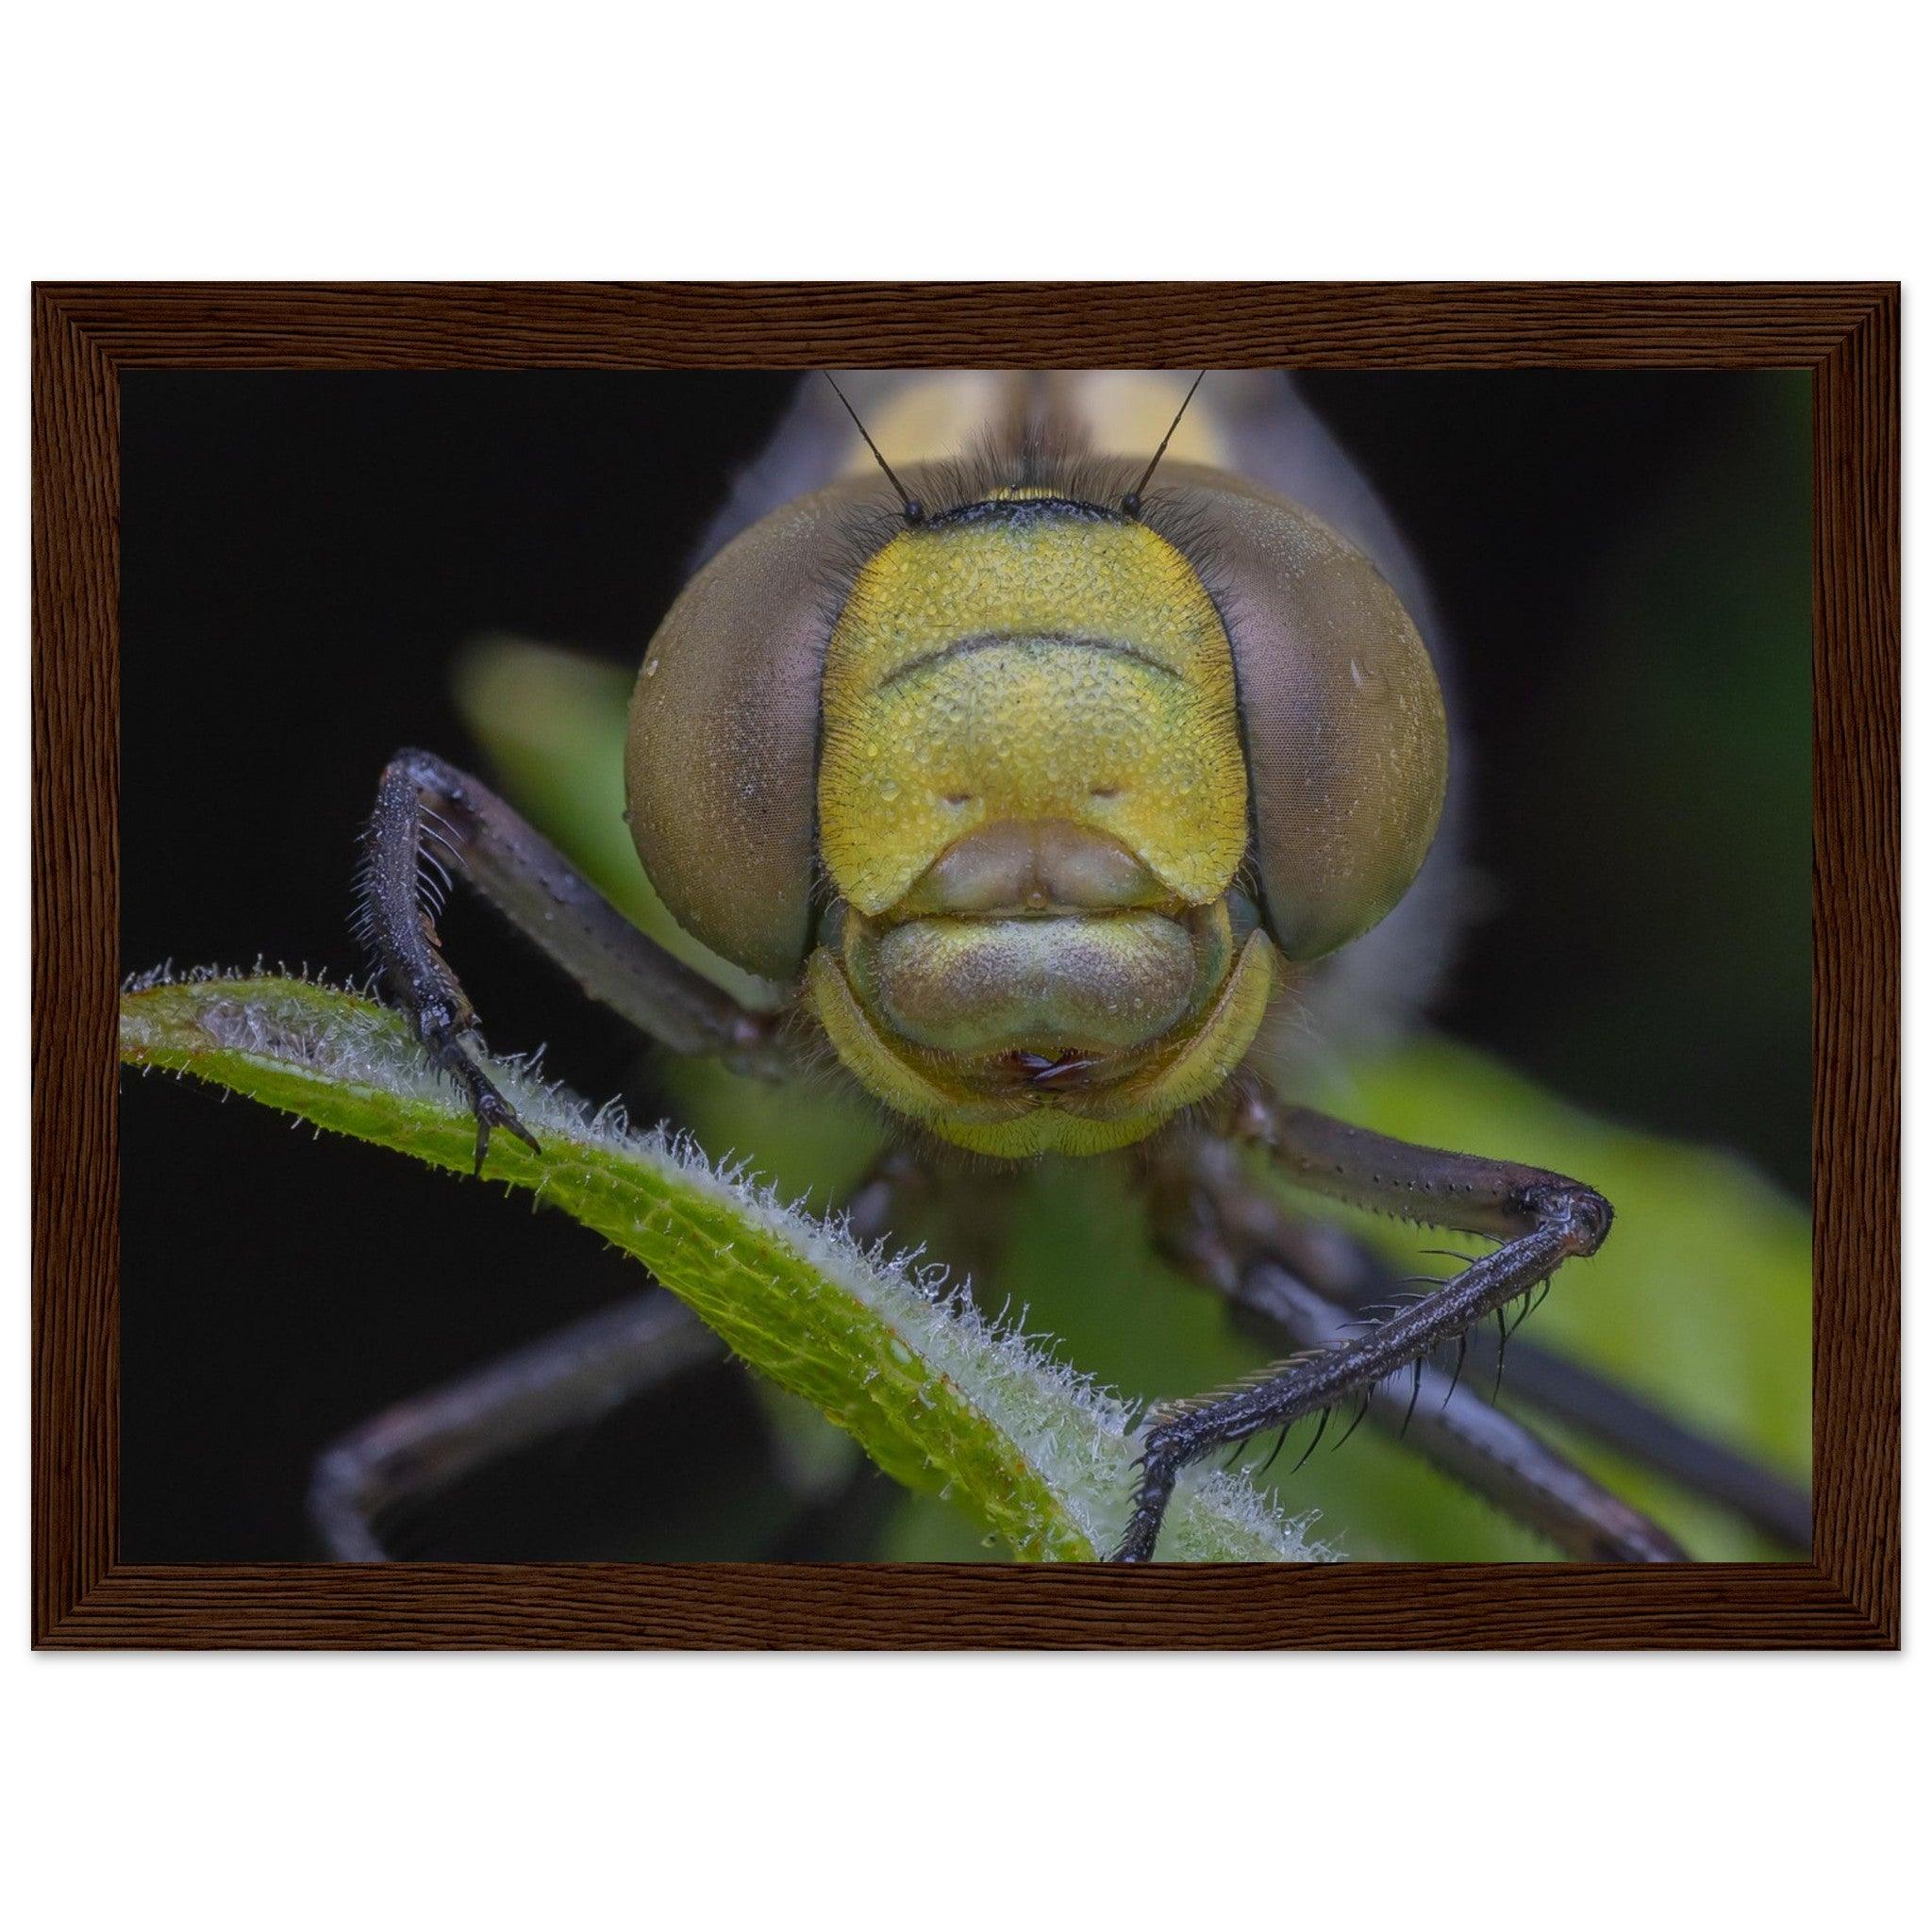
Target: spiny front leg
1304, 1280
1541, 1218
411, 852
1341, 1271
433, 824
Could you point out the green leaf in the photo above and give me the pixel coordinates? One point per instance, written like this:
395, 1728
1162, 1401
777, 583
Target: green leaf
939, 1396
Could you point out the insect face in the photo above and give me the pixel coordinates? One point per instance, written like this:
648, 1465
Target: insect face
997, 789
1032, 804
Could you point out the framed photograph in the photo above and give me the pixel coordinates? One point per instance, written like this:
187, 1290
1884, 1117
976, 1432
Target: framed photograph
1172, 965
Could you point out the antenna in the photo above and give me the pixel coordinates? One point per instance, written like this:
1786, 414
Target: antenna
1130, 503
915, 511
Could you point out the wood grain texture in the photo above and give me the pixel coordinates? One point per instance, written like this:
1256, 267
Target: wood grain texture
1018, 325
1854, 962
85, 334
952, 1606
77, 921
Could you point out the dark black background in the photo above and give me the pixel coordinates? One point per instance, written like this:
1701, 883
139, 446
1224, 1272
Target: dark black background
302, 556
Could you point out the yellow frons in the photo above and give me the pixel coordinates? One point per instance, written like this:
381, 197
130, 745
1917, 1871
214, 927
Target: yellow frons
1051, 667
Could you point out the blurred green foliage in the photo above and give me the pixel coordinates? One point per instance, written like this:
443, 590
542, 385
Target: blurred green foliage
1701, 1299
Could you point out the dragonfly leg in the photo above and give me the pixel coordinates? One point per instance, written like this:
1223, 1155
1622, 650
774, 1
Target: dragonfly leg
433, 824
1541, 1220
1614, 1416
1304, 1280
561, 1381
1345, 1271
429, 1441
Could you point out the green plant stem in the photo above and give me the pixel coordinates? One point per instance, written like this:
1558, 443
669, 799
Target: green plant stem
939, 1396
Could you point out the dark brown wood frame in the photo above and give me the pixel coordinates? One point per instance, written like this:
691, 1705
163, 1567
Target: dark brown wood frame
85, 335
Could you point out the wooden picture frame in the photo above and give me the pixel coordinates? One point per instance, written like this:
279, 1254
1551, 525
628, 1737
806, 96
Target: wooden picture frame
84, 336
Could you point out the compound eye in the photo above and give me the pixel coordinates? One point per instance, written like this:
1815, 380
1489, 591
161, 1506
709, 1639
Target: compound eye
720, 764
1347, 743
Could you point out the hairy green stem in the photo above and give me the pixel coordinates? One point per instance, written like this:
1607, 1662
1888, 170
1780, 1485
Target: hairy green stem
940, 1397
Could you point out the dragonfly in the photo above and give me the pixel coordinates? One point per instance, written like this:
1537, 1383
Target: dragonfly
1077, 756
